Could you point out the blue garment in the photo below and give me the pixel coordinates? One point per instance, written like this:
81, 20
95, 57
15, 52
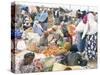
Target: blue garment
12, 34
18, 33
37, 16
80, 42
91, 46
74, 48
43, 17
37, 29
44, 26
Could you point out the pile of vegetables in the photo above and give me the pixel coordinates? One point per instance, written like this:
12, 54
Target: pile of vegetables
54, 50
51, 51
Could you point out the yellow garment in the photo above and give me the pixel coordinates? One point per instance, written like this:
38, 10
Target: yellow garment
71, 29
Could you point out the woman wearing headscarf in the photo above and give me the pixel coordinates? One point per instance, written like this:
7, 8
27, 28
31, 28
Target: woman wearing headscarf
90, 33
79, 29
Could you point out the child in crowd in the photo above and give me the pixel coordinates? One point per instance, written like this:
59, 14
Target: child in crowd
29, 64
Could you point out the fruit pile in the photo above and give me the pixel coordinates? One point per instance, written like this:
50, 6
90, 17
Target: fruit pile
50, 51
55, 50
32, 47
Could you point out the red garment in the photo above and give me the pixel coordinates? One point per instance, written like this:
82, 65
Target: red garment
85, 19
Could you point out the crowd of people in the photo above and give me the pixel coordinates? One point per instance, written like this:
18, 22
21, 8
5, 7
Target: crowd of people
31, 32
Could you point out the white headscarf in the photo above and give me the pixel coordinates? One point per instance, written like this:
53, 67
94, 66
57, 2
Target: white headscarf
91, 27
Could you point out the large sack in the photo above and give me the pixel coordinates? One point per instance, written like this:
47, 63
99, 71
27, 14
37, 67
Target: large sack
59, 67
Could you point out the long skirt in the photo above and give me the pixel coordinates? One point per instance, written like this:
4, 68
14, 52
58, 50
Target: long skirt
91, 46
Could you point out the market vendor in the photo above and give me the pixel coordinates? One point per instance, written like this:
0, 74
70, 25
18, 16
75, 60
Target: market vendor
57, 35
63, 28
67, 36
29, 64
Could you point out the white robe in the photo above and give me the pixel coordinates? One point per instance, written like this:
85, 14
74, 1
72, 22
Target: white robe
89, 28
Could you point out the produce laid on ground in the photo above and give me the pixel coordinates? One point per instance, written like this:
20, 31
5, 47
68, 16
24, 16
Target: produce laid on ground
32, 47
48, 63
55, 50
51, 51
